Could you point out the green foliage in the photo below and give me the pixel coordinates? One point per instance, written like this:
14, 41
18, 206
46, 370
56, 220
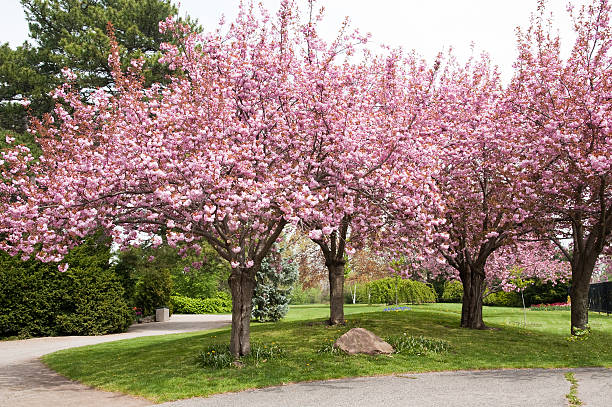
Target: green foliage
199, 282
73, 33
546, 293
151, 275
301, 295
579, 334
453, 291
536, 292
329, 348
186, 305
417, 345
503, 299
275, 282
36, 299
153, 290
22, 76
572, 396
218, 356
390, 289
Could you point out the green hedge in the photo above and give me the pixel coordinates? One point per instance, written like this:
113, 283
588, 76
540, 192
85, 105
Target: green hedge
383, 291
36, 299
185, 305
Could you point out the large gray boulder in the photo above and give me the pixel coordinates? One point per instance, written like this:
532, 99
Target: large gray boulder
359, 340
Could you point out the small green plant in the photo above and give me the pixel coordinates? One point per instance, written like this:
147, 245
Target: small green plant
572, 396
275, 281
579, 334
417, 345
329, 348
261, 353
218, 356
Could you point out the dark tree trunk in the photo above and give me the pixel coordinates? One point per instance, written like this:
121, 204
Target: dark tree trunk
336, 292
473, 289
242, 285
582, 270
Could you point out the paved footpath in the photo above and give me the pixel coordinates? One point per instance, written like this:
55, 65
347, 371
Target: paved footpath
498, 388
26, 382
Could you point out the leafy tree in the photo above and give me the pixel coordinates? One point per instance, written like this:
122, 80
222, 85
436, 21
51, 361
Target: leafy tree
200, 276
275, 281
151, 275
73, 33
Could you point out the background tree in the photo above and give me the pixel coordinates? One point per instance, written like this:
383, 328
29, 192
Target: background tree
482, 184
72, 33
565, 107
364, 266
275, 281
369, 166
199, 274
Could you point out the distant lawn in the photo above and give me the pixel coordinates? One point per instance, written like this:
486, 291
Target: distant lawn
163, 368
314, 311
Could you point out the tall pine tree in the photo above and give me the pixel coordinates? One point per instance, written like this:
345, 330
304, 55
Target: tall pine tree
72, 33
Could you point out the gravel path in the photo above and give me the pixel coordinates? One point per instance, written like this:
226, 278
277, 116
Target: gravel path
26, 382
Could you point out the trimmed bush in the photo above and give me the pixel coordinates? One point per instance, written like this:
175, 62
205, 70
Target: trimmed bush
186, 305
453, 291
36, 299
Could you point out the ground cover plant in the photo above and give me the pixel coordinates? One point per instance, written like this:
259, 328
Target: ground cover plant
167, 367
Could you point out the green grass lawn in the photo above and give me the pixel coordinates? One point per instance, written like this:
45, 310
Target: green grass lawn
165, 368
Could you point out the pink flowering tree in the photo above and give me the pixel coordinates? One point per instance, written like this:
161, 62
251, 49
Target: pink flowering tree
215, 155
480, 180
371, 167
565, 106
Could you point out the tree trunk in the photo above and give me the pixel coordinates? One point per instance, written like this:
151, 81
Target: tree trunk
524, 309
473, 289
336, 292
354, 293
242, 285
582, 270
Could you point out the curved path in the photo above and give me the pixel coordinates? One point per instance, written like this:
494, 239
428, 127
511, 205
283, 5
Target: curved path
26, 382
499, 388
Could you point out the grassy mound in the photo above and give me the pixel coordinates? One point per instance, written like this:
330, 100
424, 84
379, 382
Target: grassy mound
163, 368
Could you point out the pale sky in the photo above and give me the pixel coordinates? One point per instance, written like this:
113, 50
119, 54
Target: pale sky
427, 26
